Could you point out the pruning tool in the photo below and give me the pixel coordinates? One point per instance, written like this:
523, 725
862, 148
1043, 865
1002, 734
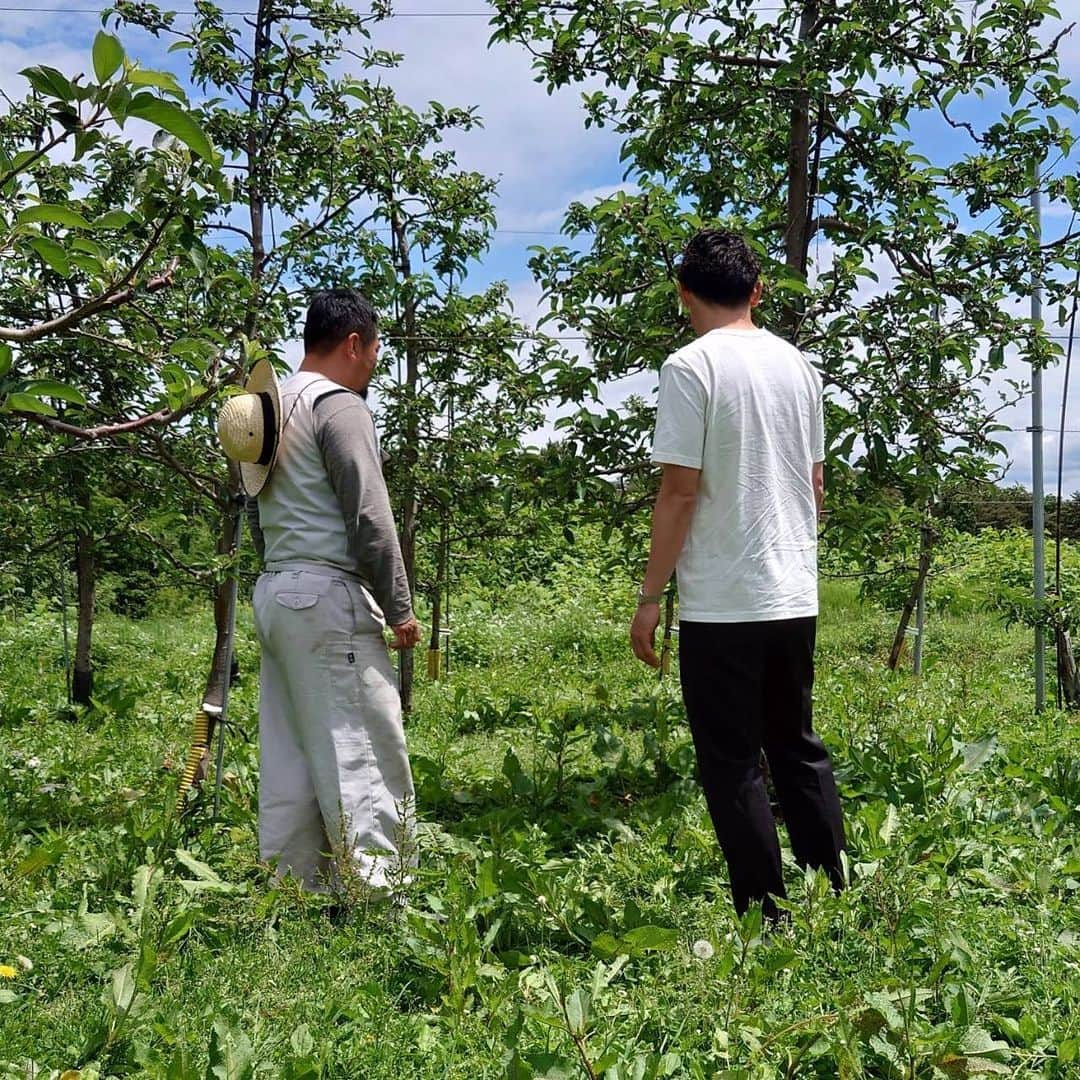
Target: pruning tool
215, 705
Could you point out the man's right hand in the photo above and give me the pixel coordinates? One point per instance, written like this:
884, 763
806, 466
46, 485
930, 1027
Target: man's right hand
406, 634
643, 634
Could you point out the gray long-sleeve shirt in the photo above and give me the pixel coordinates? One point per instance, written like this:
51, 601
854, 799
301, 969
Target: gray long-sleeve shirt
326, 501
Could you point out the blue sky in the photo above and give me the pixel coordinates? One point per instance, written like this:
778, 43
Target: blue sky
535, 143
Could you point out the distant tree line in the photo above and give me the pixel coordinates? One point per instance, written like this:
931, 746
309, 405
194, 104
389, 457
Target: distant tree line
973, 507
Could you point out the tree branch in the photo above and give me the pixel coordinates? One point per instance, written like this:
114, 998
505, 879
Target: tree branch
159, 418
105, 302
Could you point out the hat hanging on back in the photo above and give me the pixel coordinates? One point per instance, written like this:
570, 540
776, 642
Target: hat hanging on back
249, 427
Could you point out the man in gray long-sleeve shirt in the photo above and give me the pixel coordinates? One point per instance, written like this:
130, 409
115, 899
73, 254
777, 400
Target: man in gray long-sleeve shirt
334, 772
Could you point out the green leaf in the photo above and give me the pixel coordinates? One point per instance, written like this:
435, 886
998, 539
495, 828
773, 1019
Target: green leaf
230, 1053
90, 928
577, 1012
651, 939
53, 254
121, 991
162, 80
25, 403
7, 358
83, 244
208, 880
7, 996
181, 1067
178, 928
520, 784
51, 388
113, 219
175, 377
174, 120
199, 869
889, 825
779, 960
795, 285
47, 855
86, 140
108, 56
606, 946
49, 82
884, 1005
143, 886
89, 264
54, 215
978, 1041
301, 1041
977, 754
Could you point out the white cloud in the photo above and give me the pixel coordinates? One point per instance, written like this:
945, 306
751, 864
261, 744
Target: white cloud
15, 57
549, 218
534, 142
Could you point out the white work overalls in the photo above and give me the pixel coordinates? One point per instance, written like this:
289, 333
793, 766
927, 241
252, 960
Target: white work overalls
333, 764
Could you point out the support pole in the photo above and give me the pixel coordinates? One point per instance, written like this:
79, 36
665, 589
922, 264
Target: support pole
924, 535
1038, 497
920, 628
223, 718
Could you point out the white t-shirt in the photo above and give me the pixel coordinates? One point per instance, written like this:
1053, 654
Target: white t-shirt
745, 408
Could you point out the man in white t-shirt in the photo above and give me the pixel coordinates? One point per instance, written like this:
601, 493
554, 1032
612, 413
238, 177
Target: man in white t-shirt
740, 437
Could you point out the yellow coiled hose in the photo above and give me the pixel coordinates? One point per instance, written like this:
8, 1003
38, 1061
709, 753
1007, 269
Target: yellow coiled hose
200, 747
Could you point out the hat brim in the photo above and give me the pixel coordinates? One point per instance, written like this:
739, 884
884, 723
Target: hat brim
262, 380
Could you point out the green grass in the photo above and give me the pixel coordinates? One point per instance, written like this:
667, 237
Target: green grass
571, 915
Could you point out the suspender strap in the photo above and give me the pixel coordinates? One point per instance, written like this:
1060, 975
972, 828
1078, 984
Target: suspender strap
330, 393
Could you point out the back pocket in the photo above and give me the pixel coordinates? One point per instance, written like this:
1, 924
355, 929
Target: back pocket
296, 601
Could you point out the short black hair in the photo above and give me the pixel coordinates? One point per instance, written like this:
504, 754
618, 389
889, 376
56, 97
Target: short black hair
334, 314
719, 267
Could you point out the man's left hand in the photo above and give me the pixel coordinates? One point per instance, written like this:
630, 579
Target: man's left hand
406, 634
643, 634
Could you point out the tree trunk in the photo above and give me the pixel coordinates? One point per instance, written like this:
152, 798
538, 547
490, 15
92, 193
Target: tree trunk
224, 594
799, 202
410, 450
222, 668
1068, 676
85, 576
256, 172
228, 494
435, 665
224, 615
925, 557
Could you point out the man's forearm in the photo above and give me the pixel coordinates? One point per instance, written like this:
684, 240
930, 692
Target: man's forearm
671, 522
389, 581
818, 481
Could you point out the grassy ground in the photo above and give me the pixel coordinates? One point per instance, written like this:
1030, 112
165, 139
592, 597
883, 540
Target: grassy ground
571, 917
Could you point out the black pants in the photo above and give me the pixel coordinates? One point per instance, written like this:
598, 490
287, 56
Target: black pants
748, 687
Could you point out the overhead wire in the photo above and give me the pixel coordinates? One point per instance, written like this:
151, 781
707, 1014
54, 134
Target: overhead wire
370, 14
252, 11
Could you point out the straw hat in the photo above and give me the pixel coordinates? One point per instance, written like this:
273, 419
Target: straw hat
249, 427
